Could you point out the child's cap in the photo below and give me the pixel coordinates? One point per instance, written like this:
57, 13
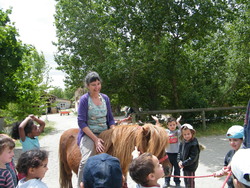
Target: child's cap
240, 166
102, 170
186, 125
236, 131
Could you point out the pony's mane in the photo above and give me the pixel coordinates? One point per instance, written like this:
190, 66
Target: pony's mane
121, 141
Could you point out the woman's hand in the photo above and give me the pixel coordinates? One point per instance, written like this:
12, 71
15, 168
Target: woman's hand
99, 145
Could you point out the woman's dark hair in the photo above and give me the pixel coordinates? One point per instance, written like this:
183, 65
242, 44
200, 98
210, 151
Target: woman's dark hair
27, 129
31, 159
92, 77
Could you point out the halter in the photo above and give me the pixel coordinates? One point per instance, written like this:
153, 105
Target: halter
163, 158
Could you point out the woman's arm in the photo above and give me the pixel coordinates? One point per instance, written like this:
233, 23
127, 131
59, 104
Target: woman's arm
82, 117
98, 141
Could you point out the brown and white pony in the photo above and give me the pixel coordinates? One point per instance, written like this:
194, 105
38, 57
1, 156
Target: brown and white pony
118, 142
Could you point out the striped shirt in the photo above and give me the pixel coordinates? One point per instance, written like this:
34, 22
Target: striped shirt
6, 179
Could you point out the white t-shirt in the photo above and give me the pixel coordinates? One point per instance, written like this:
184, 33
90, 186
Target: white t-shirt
33, 183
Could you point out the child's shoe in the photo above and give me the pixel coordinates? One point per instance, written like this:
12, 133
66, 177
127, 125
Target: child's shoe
167, 184
177, 185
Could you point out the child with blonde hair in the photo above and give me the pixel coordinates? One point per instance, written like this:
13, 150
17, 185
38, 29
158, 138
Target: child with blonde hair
33, 164
188, 155
7, 146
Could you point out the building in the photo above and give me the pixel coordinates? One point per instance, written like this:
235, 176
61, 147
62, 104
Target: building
63, 104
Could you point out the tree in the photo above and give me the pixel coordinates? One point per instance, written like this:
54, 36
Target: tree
10, 59
24, 71
30, 87
147, 51
58, 92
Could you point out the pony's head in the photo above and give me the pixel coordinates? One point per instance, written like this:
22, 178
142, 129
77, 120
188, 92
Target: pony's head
121, 141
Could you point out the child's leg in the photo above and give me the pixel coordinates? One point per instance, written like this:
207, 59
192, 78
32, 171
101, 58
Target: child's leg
189, 182
176, 169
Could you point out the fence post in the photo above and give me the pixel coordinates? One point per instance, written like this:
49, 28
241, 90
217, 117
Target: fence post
203, 120
133, 118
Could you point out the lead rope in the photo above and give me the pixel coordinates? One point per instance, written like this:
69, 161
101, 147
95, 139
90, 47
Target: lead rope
205, 176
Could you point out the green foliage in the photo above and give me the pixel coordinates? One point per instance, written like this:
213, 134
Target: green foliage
57, 91
10, 59
23, 85
216, 129
68, 93
157, 54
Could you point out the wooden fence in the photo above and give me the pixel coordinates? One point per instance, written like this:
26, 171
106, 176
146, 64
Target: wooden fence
202, 110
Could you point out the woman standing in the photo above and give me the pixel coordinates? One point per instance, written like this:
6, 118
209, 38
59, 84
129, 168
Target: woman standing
94, 116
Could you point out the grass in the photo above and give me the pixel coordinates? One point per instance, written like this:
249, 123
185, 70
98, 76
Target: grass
48, 129
215, 128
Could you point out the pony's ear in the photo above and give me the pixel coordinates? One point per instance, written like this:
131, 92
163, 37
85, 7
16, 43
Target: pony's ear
144, 131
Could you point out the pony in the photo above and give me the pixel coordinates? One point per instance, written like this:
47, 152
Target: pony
119, 142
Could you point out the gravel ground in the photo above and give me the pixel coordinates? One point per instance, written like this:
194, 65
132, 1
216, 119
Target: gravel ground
211, 159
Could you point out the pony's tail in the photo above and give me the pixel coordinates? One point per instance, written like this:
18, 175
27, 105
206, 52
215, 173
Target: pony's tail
14, 131
65, 171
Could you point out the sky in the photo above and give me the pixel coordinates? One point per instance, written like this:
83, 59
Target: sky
34, 22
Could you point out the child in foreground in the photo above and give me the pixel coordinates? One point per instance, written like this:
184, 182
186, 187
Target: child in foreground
146, 170
240, 166
188, 155
7, 146
235, 136
33, 164
102, 170
11, 165
28, 132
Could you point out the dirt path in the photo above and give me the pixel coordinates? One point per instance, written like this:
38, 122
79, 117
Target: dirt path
51, 144
211, 159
